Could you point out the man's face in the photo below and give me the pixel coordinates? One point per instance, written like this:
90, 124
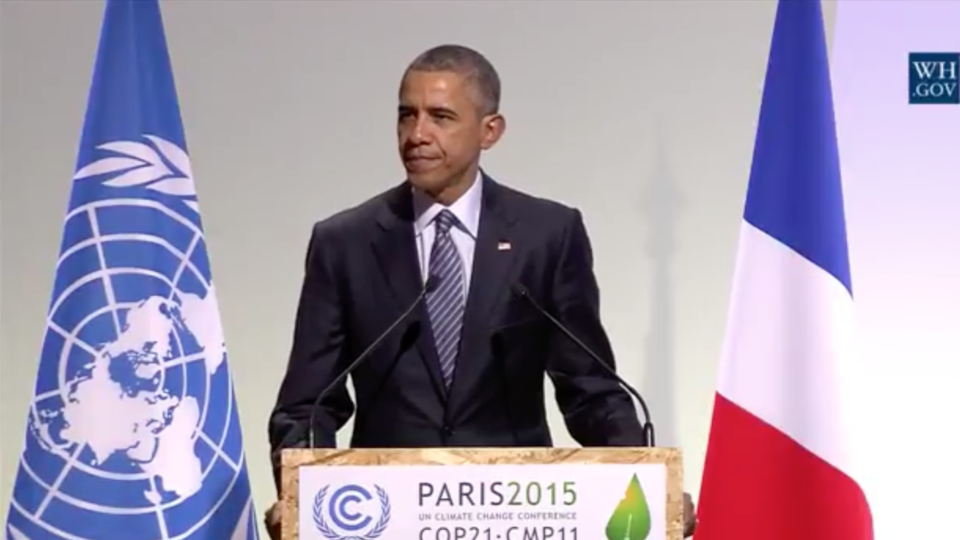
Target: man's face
439, 129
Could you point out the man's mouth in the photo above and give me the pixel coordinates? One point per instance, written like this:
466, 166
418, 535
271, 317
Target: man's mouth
420, 162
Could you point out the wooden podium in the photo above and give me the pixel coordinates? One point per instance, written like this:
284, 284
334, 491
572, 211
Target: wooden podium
482, 494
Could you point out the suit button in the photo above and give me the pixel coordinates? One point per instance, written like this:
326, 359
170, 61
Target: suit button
448, 431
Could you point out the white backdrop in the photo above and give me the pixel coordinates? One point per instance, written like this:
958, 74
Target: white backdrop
640, 113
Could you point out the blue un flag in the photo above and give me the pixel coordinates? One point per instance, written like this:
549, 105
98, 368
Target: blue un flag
133, 432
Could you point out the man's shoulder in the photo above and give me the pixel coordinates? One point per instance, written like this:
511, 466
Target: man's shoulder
354, 219
531, 208
537, 208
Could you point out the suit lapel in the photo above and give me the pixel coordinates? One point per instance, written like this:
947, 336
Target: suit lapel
494, 256
396, 252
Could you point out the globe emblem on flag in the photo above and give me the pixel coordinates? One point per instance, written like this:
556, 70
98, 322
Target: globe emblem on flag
133, 416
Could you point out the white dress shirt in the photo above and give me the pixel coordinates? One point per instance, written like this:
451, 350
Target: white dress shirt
464, 233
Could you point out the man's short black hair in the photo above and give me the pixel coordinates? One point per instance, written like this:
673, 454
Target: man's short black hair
468, 63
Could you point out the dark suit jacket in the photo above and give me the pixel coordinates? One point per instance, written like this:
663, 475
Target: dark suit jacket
362, 272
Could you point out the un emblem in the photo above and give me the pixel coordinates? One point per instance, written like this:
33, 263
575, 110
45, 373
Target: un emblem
133, 426
351, 512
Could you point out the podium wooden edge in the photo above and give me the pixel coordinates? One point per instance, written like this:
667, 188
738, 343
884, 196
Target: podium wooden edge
293, 459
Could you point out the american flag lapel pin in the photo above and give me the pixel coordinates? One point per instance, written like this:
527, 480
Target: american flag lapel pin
504, 246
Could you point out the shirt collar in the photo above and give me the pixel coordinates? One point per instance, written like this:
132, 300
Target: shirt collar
466, 209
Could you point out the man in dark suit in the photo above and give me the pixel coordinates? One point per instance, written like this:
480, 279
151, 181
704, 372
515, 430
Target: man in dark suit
467, 367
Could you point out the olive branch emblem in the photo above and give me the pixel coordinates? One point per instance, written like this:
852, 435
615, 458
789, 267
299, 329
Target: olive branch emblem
161, 166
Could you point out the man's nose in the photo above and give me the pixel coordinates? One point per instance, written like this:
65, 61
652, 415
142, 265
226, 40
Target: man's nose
418, 136
420, 131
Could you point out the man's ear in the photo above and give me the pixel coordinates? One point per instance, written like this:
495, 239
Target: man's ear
493, 127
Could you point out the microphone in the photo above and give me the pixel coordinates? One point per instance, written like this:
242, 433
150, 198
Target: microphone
428, 287
648, 434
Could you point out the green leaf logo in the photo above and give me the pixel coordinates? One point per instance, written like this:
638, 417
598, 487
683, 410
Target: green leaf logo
631, 519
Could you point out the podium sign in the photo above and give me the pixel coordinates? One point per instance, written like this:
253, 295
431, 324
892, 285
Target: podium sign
488, 494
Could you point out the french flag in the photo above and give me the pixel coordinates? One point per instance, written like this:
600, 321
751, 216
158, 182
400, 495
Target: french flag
777, 466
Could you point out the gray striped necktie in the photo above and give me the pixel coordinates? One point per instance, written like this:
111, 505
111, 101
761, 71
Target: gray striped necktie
446, 302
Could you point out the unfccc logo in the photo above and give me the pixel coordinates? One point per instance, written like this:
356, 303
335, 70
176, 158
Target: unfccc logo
351, 512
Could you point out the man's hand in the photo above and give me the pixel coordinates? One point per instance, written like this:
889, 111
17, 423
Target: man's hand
689, 516
272, 520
